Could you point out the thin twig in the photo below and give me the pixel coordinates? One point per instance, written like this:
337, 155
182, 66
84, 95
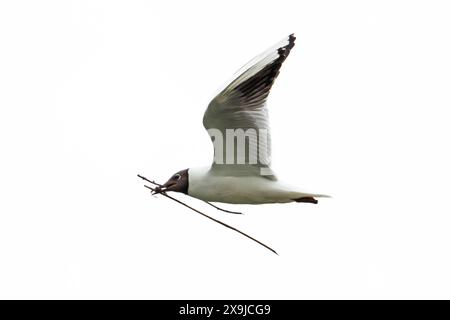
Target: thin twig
205, 215
151, 181
233, 212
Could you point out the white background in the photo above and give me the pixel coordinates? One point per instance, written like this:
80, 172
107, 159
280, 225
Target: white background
94, 92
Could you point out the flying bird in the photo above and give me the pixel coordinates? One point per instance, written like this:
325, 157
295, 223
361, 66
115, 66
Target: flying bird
237, 122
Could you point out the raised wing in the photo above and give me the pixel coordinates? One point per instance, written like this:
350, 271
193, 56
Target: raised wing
237, 118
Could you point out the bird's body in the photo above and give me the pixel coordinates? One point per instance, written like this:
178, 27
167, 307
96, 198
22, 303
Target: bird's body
257, 189
238, 124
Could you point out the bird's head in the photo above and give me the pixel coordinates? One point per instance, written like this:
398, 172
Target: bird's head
179, 182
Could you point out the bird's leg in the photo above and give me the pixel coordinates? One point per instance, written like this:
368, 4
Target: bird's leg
228, 211
306, 199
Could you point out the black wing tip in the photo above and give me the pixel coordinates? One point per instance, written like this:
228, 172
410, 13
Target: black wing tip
292, 40
258, 86
285, 50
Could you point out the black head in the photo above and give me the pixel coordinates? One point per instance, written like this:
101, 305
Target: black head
179, 182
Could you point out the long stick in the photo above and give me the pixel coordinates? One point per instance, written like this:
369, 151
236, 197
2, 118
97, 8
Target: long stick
205, 215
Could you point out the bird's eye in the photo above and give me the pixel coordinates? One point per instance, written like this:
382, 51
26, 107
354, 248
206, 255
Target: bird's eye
176, 177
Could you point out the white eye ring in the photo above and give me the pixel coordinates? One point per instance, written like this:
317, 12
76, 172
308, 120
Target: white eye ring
177, 177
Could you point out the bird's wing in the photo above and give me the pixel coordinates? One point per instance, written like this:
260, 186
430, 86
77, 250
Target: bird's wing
242, 105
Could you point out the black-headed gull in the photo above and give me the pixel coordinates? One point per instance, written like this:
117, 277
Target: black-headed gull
237, 122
